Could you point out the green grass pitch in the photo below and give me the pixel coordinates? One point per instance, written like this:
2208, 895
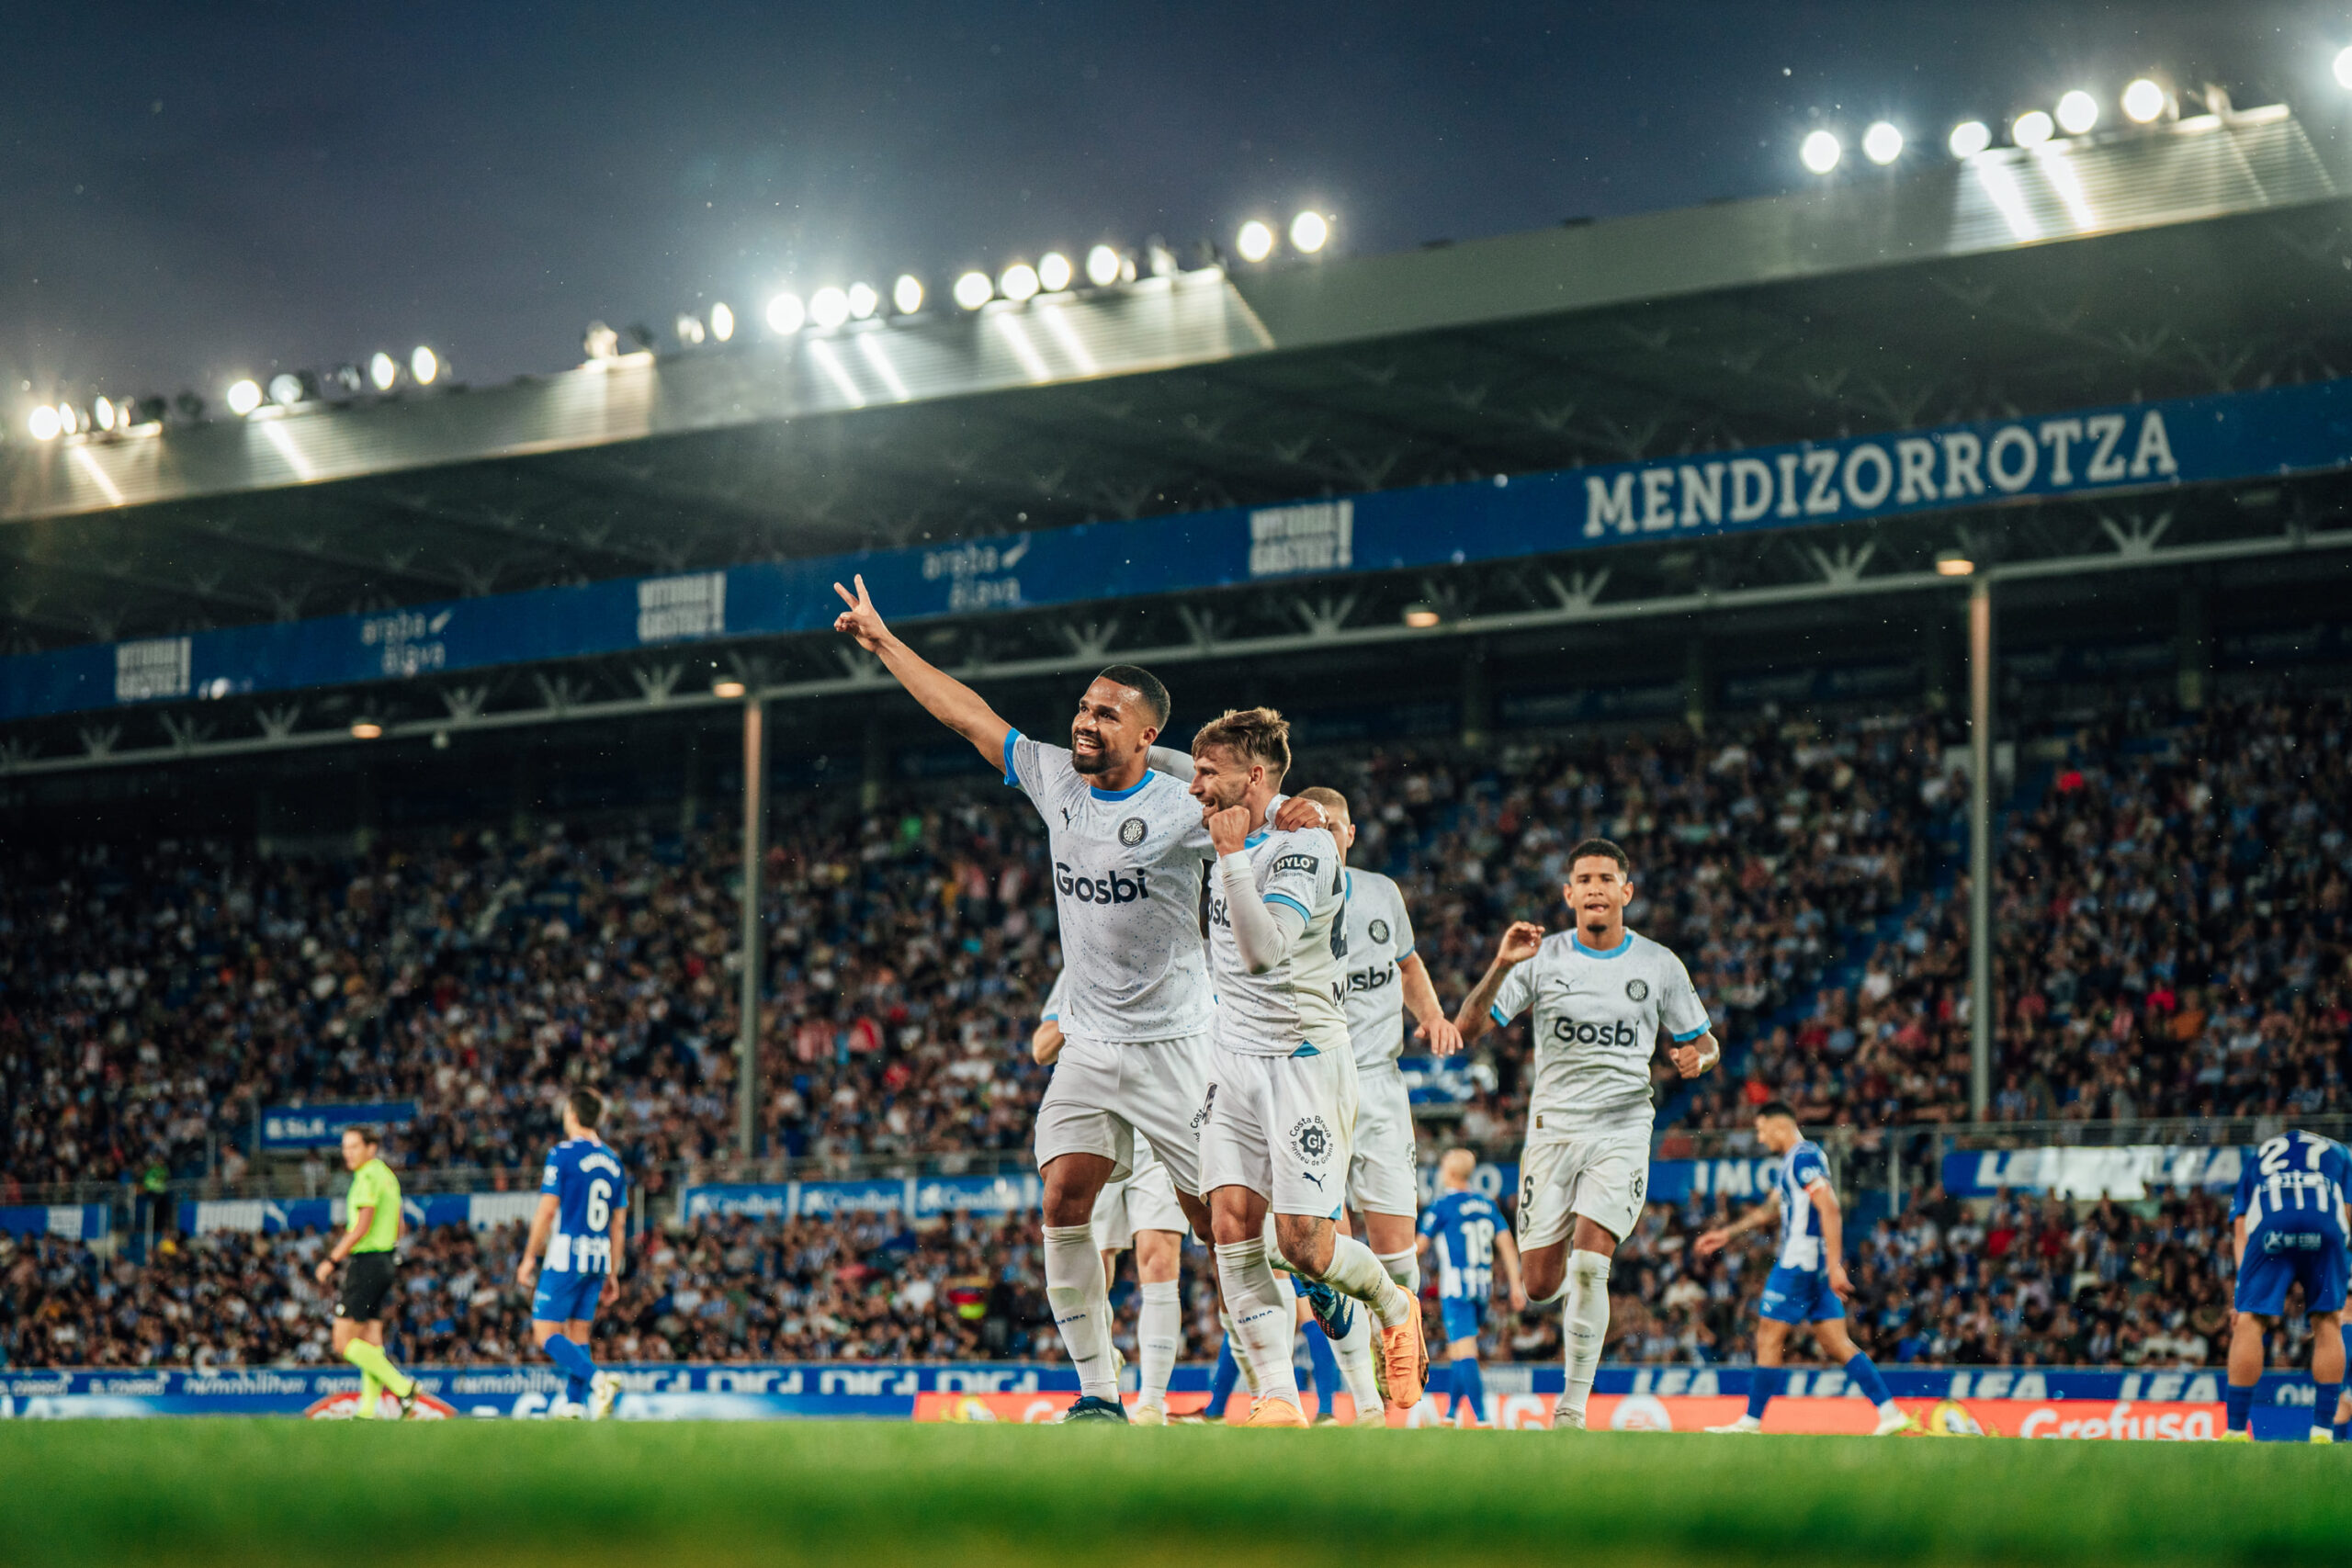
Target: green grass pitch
261, 1492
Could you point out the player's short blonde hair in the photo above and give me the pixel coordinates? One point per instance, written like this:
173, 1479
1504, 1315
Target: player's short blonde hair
1334, 804
1457, 1163
1252, 735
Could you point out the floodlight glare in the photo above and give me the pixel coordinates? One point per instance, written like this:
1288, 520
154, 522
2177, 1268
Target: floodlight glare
1102, 267
43, 424
1309, 232
383, 371
906, 294
1882, 143
1420, 617
2077, 112
1018, 282
785, 314
69, 419
1256, 242
424, 365
2031, 128
243, 396
722, 322
1820, 151
972, 290
829, 307
1054, 272
1969, 138
727, 690
2142, 101
862, 300
1954, 563
285, 389
2344, 66
689, 327
367, 729
106, 414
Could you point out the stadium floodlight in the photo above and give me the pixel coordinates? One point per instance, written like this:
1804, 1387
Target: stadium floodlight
2077, 112
43, 424
1255, 242
722, 321
1954, 563
424, 365
600, 342
785, 314
1969, 138
907, 293
1420, 617
1054, 272
2142, 101
245, 396
829, 307
1102, 267
974, 291
105, 410
1309, 232
1018, 282
2031, 128
1882, 143
728, 688
862, 300
689, 328
69, 419
347, 377
383, 370
1820, 151
367, 729
286, 389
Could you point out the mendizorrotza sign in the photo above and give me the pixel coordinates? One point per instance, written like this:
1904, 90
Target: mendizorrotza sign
2228, 436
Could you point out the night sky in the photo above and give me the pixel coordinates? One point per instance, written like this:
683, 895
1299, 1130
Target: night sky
195, 192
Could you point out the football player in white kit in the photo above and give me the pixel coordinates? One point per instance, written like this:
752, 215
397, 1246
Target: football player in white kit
1281, 1106
1601, 996
1140, 1213
1384, 979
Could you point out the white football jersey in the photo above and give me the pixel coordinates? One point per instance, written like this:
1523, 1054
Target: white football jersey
1598, 1016
1379, 938
1127, 867
1296, 1002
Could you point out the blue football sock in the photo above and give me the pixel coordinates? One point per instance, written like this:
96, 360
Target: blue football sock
1222, 1380
1863, 1374
1762, 1384
1471, 1384
571, 1357
2323, 1402
576, 1389
1327, 1367
2241, 1408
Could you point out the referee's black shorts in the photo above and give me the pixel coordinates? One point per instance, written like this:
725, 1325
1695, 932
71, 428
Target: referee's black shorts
367, 1280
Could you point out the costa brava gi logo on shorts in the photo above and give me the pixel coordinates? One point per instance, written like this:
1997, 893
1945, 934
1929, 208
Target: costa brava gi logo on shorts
1377, 930
1637, 989
1312, 1139
1132, 831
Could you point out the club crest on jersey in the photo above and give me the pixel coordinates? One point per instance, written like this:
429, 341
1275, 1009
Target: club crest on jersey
1132, 830
1312, 1139
1637, 989
1377, 930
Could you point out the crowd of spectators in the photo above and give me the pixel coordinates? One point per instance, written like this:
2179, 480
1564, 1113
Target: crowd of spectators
2014, 1282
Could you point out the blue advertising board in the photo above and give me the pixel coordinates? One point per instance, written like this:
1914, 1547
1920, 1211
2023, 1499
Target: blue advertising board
2100, 451
65, 1222
322, 1126
2128, 1173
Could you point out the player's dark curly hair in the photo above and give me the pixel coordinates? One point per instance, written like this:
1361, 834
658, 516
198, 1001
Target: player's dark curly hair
1143, 683
1777, 1108
587, 1107
1602, 849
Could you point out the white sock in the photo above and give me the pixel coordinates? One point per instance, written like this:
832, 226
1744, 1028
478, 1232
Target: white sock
1081, 1304
1354, 1271
1261, 1317
1240, 1351
1584, 1325
1355, 1364
1159, 1334
1405, 1267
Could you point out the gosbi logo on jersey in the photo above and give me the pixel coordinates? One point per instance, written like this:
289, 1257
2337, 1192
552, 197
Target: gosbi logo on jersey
1370, 979
1123, 886
1568, 1032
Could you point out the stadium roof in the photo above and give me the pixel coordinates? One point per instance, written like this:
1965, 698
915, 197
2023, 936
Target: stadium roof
2209, 254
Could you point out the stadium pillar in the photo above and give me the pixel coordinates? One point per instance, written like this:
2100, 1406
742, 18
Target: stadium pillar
1478, 698
1698, 685
1936, 651
747, 1034
2195, 640
877, 767
1980, 848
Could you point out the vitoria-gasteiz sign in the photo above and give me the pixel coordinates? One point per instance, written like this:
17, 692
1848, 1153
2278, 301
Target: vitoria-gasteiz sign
2227, 437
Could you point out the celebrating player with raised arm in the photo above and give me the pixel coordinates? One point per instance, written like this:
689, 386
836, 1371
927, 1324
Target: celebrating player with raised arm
1808, 1283
581, 1229
1281, 1103
1601, 996
1128, 849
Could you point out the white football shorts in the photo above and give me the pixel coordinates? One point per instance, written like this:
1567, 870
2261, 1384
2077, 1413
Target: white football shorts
1102, 1095
1597, 1167
1282, 1126
1381, 1168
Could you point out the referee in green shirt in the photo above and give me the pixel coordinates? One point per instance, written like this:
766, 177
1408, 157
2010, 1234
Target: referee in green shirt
373, 1210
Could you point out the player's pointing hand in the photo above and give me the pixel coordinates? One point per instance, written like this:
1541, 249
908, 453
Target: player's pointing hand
860, 620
